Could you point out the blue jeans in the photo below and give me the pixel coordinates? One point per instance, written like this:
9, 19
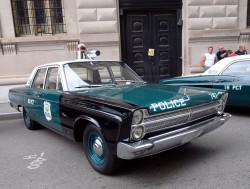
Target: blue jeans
206, 68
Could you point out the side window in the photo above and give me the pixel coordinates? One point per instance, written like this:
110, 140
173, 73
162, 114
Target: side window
51, 80
39, 78
238, 68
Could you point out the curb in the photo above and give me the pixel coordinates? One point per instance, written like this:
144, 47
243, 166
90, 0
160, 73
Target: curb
9, 116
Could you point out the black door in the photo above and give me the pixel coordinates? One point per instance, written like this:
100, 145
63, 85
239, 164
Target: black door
150, 43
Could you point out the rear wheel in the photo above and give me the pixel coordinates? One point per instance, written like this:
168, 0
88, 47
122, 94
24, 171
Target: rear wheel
97, 151
30, 124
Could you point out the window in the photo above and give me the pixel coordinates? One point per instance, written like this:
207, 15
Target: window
79, 75
38, 17
238, 68
39, 78
51, 80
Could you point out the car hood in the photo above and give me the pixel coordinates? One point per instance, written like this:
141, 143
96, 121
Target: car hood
155, 97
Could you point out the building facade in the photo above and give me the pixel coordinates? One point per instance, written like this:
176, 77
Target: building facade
158, 39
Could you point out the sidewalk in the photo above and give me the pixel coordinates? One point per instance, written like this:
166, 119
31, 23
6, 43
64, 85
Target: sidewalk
7, 112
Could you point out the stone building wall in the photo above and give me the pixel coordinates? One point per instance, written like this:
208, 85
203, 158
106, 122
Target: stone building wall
19, 55
96, 23
99, 26
212, 23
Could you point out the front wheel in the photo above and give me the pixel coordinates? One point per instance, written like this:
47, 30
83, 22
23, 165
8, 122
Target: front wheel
97, 152
30, 124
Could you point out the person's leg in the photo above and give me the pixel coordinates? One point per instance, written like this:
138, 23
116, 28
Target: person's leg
206, 68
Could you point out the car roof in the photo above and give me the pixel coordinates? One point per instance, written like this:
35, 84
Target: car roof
60, 63
220, 65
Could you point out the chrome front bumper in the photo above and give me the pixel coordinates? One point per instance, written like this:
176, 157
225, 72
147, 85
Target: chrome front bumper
169, 140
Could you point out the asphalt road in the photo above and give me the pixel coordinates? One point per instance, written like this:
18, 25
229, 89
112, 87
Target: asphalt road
44, 159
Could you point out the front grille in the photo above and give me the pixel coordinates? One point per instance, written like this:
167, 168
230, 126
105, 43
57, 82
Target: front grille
180, 117
204, 110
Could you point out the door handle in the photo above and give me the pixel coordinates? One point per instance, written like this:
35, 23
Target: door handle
151, 52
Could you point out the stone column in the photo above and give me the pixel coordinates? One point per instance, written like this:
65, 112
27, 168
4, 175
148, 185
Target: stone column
6, 19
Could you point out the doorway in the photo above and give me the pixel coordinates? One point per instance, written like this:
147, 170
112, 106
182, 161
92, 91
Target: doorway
151, 43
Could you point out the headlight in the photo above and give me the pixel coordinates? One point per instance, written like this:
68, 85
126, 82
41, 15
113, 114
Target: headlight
222, 105
137, 117
220, 109
137, 133
224, 98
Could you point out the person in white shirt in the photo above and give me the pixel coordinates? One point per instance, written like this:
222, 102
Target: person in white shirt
208, 59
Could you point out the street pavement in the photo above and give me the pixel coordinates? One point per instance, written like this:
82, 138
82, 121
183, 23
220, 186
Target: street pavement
44, 159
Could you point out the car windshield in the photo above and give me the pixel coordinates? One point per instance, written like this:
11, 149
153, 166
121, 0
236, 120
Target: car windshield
239, 68
216, 69
98, 73
230, 66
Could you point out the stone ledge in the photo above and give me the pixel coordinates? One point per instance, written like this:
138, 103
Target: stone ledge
14, 40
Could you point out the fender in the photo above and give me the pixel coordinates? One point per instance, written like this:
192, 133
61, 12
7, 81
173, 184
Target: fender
89, 119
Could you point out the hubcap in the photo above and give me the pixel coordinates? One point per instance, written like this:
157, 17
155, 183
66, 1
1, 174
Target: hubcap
27, 119
96, 148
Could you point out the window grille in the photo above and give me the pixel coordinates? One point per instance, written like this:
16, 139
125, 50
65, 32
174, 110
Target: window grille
38, 17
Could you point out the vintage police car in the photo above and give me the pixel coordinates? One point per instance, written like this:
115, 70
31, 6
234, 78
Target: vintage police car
115, 113
231, 74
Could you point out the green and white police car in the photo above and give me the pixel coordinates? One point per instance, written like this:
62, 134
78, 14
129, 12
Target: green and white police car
114, 112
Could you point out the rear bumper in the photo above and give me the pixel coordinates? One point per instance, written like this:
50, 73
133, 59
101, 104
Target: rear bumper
169, 140
14, 106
